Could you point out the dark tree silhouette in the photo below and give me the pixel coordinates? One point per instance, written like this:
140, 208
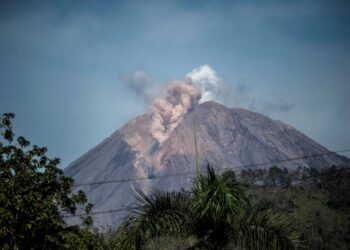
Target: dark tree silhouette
34, 194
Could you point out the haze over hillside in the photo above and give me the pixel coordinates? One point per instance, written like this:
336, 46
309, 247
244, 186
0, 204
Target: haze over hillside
227, 138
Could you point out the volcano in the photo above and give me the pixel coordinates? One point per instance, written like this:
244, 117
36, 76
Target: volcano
228, 138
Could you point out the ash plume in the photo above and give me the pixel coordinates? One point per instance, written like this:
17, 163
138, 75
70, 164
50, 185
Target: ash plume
202, 84
144, 86
180, 97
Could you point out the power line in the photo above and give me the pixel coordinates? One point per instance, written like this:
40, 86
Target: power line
126, 209
296, 158
193, 173
133, 179
97, 212
186, 173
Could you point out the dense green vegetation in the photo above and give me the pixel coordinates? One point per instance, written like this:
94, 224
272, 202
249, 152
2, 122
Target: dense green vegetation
260, 209
34, 194
215, 214
316, 204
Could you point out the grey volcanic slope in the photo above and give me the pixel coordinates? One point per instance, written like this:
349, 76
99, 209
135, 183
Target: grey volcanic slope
228, 138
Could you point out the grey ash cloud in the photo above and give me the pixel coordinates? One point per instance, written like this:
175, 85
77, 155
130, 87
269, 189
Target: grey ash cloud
143, 85
213, 87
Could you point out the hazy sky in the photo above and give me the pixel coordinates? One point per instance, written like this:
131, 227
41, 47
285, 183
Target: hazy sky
65, 66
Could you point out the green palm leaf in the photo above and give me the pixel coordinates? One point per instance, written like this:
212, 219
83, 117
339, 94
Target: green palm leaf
158, 214
262, 230
218, 197
216, 211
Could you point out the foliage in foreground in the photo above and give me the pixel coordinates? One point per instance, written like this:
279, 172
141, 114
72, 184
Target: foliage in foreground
33, 195
316, 205
216, 212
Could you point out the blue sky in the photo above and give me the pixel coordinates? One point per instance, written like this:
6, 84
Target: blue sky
65, 65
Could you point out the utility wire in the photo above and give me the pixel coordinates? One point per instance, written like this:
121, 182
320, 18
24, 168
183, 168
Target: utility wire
296, 158
97, 212
133, 179
187, 173
193, 173
126, 208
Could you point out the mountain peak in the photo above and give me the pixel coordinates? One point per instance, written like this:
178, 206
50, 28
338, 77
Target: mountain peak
211, 105
227, 138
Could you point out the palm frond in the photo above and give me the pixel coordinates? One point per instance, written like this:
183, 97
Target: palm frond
219, 197
158, 214
262, 230
216, 211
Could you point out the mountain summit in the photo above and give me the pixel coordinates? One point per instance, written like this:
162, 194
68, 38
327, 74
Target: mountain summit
227, 138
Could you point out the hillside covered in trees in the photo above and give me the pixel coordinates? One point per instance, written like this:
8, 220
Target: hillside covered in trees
314, 203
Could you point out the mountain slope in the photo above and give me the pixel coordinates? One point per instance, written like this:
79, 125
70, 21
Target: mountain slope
228, 138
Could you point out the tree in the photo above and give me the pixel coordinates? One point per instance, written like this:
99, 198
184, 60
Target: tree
310, 177
156, 214
275, 176
278, 177
260, 176
34, 193
249, 176
336, 180
217, 201
216, 211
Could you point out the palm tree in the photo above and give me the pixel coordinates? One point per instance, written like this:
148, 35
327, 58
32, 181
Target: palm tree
158, 214
216, 211
217, 201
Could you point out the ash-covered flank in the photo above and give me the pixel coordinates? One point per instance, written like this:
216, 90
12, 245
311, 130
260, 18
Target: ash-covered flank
227, 137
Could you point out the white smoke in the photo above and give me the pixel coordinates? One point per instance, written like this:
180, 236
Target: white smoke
168, 112
215, 89
207, 79
179, 97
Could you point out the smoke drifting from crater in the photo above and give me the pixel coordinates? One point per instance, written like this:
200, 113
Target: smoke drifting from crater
180, 97
168, 106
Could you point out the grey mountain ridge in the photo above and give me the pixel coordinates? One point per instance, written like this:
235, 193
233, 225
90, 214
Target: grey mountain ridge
227, 138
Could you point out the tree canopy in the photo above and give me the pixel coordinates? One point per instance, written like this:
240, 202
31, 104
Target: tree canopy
34, 194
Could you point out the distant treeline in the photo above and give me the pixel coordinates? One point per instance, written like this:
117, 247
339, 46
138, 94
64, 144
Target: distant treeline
315, 203
335, 180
